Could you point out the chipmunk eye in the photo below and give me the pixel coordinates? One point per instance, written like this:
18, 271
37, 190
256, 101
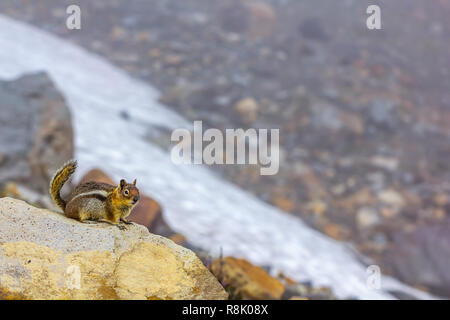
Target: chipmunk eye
126, 192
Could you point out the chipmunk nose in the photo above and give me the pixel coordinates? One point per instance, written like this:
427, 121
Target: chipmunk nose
135, 199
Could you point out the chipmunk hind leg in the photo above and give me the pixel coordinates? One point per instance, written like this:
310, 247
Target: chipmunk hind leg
83, 210
73, 210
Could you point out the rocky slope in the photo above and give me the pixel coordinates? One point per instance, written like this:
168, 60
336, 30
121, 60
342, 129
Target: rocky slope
210, 212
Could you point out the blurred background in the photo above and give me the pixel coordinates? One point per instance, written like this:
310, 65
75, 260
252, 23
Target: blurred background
363, 114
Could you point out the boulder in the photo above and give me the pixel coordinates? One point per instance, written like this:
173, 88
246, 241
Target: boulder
245, 280
35, 131
98, 176
148, 212
420, 257
44, 255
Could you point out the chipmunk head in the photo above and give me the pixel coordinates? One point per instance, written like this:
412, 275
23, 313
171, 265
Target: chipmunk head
128, 192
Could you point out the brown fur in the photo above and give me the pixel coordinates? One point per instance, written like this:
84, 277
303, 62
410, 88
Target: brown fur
97, 201
59, 179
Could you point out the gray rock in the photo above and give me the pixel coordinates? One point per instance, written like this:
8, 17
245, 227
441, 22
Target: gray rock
383, 113
312, 28
35, 131
44, 255
421, 257
233, 17
327, 117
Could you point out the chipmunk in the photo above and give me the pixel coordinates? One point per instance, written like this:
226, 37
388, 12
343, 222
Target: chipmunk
94, 201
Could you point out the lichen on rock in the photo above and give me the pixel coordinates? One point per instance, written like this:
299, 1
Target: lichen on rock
44, 255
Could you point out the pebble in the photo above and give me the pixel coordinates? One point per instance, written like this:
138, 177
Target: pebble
367, 217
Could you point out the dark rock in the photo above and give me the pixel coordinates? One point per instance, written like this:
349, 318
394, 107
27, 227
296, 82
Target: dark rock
36, 134
383, 114
312, 28
233, 17
159, 136
124, 115
347, 53
149, 213
421, 257
402, 295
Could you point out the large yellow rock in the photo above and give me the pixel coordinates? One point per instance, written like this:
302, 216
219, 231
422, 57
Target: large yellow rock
44, 255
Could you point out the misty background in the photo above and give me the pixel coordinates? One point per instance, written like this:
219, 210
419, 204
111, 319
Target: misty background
363, 114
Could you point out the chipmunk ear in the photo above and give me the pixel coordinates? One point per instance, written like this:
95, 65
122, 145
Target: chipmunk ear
122, 183
134, 182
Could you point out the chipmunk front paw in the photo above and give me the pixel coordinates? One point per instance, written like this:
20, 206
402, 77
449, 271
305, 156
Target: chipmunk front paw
126, 221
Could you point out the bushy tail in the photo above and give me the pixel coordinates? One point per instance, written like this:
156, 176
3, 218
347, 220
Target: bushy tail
59, 178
